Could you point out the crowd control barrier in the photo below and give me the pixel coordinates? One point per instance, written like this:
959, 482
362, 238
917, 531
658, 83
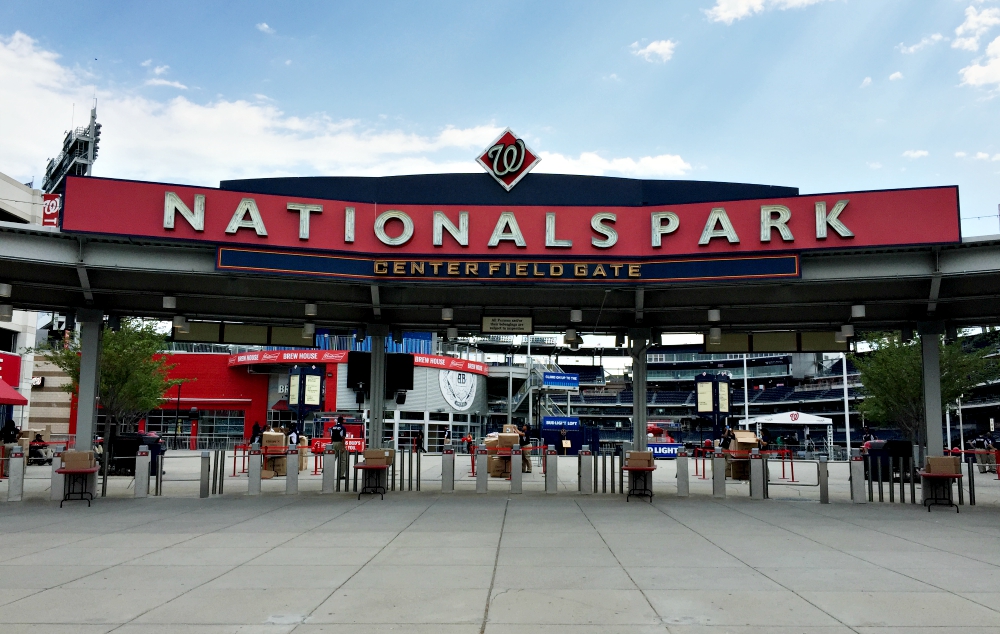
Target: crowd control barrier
515, 470
882, 480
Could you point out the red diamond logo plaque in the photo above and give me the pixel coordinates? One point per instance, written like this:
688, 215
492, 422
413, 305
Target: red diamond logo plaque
508, 159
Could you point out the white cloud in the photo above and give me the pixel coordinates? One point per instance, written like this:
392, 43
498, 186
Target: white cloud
729, 11
959, 154
895, 76
264, 28
983, 74
156, 81
982, 156
915, 154
612, 77
147, 63
658, 51
288, 62
159, 70
203, 143
923, 43
976, 24
594, 164
867, 82
996, 157
875, 166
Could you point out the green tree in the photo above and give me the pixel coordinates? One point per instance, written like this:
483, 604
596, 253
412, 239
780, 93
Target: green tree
133, 370
892, 376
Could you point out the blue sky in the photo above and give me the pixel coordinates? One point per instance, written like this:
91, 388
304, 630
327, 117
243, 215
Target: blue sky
826, 95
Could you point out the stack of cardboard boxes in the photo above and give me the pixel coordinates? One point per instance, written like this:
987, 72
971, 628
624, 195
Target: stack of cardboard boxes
943, 464
499, 465
28, 435
638, 458
380, 457
738, 466
273, 465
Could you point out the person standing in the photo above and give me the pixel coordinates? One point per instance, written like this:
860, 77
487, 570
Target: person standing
255, 435
337, 435
979, 445
447, 436
418, 442
991, 457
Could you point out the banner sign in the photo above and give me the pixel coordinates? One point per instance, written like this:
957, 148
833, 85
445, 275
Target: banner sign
358, 240
51, 204
560, 381
507, 326
292, 357
568, 423
665, 450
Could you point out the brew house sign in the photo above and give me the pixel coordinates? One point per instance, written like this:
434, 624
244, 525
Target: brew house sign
511, 244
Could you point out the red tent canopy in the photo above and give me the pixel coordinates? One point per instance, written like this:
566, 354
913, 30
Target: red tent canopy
8, 396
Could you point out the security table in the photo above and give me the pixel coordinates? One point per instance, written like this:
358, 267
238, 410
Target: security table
645, 490
371, 479
74, 477
940, 484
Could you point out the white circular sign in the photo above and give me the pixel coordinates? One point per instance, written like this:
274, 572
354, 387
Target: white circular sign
458, 388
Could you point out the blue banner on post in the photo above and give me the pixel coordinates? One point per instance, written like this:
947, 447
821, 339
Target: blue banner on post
561, 422
664, 450
561, 381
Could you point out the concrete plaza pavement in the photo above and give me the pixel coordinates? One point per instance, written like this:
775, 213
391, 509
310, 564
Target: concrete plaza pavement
497, 563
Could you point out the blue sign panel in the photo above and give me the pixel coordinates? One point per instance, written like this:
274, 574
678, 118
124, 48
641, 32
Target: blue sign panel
561, 381
665, 450
561, 422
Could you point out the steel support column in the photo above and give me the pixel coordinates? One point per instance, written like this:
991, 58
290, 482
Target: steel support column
639, 343
91, 333
929, 340
378, 333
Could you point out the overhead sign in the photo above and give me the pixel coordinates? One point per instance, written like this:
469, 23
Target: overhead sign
561, 381
507, 326
367, 241
561, 422
292, 357
508, 159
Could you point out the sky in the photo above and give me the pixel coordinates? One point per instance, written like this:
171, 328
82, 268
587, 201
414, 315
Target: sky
825, 95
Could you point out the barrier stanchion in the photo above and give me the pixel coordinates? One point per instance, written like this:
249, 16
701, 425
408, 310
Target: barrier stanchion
551, 471
683, 478
756, 475
604, 472
824, 481
292, 471
15, 472
141, 489
418, 470
56, 482
222, 469
206, 469
515, 470
586, 468
972, 486
482, 470
448, 470
857, 478
331, 471
355, 480
719, 475
253, 471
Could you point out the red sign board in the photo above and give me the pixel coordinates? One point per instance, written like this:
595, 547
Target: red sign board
508, 159
291, 357
10, 369
51, 205
438, 233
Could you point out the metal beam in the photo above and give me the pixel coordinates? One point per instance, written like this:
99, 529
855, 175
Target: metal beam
376, 304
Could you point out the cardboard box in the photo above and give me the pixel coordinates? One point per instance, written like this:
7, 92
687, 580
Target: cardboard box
273, 439
279, 465
943, 464
78, 459
496, 466
491, 443
508, 440
510, 429
638, 458
266, 474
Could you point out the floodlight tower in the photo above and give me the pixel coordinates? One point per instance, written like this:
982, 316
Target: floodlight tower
77, 157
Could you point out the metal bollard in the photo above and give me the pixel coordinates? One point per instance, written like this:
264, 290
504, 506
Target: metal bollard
159, 475
683, 477
551, 471
222, 469
604, 473
448, 470
57, 481
206, 468
142, 473
330, 470
292, 471
482, 469
586, 486
858, 478
354, 481
15, 472
824, 481
719, 475
756, 475
972, 486
253, 470
215, 470
515, 470
418, 469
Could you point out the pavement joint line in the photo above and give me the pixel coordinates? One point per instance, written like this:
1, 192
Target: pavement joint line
496, 560
306, 617
739, 559
236, 523
902, 574
620, 565
890, 570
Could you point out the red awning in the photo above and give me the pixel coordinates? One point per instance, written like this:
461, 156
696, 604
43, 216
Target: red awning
9, 396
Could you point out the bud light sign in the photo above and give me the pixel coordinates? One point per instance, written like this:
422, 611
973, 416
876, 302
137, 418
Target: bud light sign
561, 422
